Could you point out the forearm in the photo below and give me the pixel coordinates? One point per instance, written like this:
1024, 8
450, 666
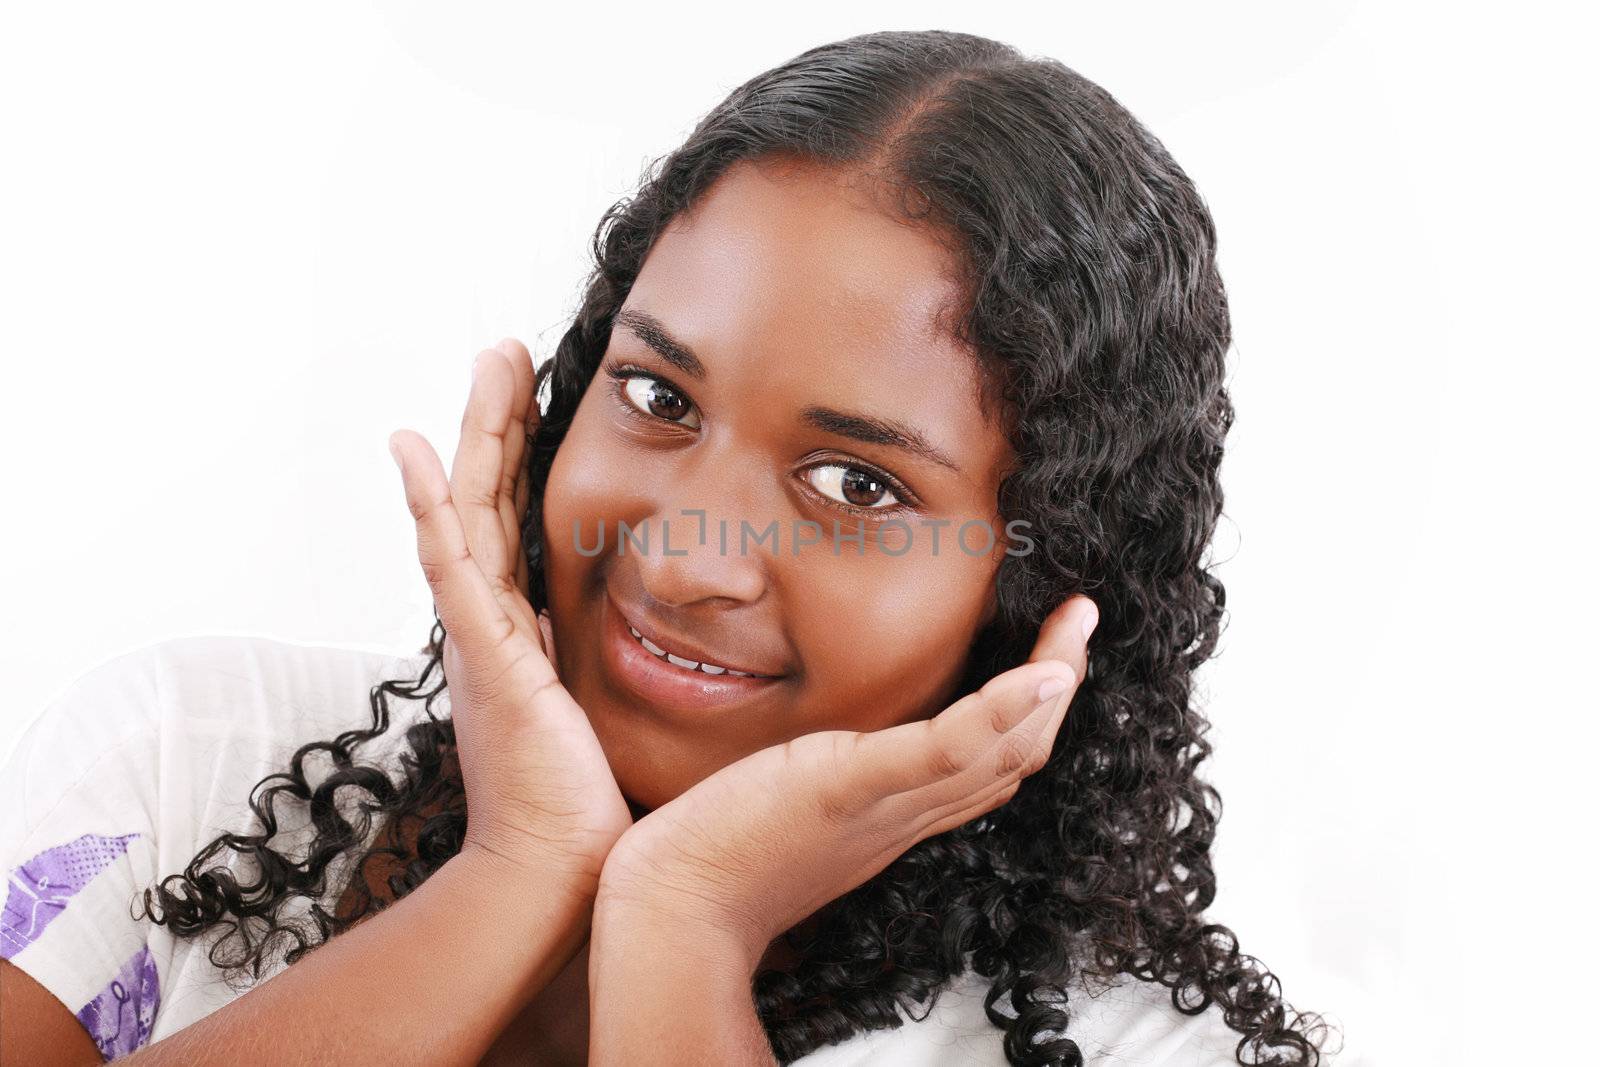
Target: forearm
432, 979
663, 991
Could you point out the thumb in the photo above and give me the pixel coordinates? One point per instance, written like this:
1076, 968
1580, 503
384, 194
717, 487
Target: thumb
1064, 634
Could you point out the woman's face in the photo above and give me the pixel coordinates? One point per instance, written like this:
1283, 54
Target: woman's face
775, 385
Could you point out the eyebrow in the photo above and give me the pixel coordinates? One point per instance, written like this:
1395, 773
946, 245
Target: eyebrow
867, 429
647, 328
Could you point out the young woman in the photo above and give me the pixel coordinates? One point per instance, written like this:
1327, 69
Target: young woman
818, 662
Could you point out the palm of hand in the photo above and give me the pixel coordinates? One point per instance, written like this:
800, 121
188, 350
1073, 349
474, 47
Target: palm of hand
539, 788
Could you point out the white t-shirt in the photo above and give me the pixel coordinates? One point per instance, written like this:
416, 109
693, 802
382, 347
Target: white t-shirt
147, 757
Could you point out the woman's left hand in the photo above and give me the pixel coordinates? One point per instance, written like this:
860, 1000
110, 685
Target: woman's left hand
767, 841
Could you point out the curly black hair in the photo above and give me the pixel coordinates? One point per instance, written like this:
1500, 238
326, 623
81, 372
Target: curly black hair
1098, 315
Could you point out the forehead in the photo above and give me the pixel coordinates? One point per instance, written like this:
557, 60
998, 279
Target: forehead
796, 278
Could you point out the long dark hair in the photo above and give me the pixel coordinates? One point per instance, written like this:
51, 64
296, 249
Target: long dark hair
1101, 322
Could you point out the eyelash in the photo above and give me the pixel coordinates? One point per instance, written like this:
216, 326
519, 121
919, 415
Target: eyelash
620, 375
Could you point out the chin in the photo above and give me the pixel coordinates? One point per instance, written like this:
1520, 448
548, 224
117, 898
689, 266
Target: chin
646, 796
646, 785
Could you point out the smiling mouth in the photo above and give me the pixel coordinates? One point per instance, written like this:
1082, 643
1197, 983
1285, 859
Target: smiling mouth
650, 682
697, 667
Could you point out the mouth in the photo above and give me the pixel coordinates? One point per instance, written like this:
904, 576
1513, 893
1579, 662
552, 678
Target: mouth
702, 666
662, 677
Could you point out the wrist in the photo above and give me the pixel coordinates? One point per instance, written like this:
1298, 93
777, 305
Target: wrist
646, 961
523, 877
693, 932
544, 912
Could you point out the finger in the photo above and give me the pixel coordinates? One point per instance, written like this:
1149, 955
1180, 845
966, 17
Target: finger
969, 747
525, 485
523, 498
547, 634
524, 493
993, 779
522, 568
524, 479
516, 439
479, 458
463, 597
1064, 634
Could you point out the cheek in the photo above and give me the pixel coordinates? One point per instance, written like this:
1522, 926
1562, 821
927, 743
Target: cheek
580, 475
886, 637
588, 489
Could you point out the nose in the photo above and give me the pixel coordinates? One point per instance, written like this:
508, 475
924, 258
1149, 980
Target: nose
695, 550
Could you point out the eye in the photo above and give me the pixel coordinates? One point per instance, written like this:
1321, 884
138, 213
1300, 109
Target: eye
656, 397
855, 487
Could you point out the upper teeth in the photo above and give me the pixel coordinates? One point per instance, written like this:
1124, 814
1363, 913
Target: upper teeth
709, 668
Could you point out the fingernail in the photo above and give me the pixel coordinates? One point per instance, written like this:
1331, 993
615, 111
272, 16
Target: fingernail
394, 454
477, 366
508, 346
1053, 686
1090, 620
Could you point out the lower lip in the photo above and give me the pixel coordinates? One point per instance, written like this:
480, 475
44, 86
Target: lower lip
666, 685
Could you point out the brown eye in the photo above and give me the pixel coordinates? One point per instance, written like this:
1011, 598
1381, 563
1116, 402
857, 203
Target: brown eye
658, 398
852, 485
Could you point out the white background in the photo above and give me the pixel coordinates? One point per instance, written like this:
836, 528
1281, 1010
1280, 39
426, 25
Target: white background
243, 244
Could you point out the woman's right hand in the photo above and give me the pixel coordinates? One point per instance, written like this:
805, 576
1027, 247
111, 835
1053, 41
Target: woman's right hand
540, 792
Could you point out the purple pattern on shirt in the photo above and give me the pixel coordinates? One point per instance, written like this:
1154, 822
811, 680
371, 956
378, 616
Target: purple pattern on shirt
120, 1016
40, 888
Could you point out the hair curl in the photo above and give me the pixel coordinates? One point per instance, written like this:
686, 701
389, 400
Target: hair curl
1098, 314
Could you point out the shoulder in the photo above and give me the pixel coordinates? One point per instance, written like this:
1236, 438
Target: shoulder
184, 726
1124, 1023
175, 728
249, 683
1132, 1021
211, 674
119, 779
128, 721
270, 686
